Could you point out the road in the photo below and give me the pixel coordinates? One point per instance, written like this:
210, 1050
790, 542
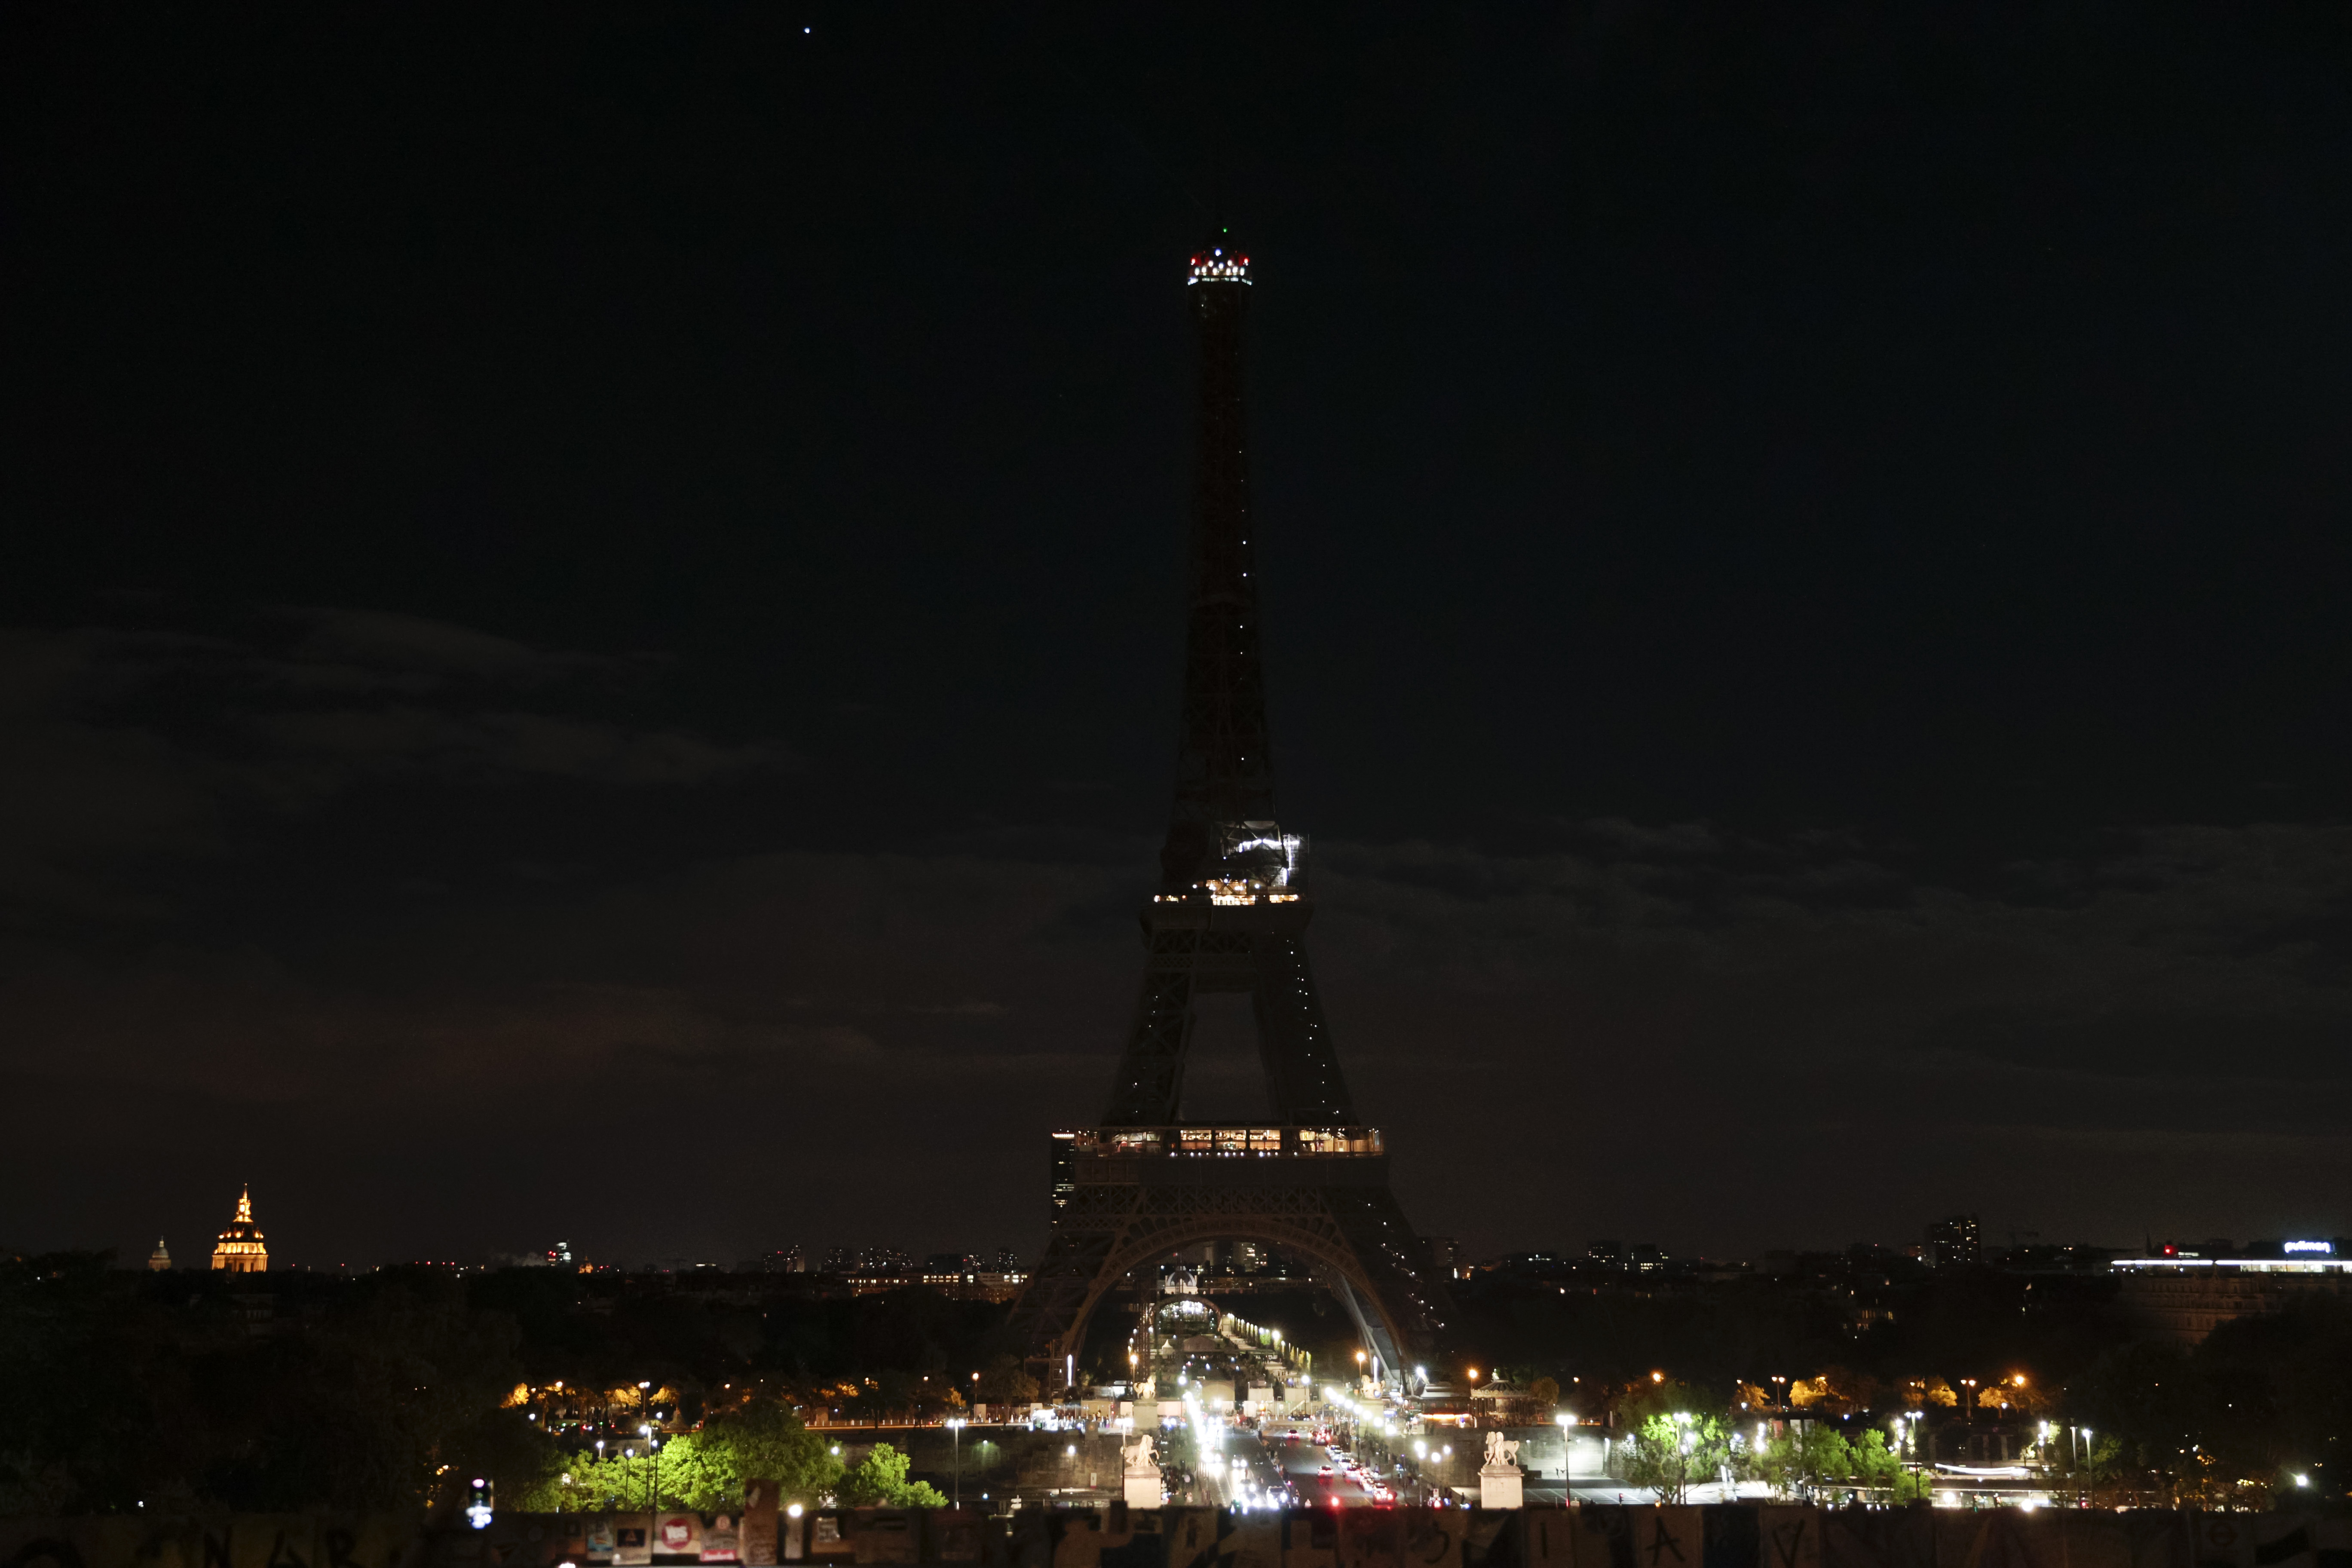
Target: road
1256, 1483
1303, 1462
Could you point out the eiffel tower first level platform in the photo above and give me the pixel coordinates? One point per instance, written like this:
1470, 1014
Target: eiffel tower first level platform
1230, 914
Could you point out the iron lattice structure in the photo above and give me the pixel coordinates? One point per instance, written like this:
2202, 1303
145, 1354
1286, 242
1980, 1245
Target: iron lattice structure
1231, 915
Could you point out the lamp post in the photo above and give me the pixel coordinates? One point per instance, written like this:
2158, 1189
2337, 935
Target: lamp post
653, 1481
955, 1426
1567, 1492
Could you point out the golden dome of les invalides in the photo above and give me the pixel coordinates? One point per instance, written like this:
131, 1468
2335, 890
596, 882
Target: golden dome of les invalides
239, 1250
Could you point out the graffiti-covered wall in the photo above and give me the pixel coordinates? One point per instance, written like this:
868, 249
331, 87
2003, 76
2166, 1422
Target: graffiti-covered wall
1732, 1536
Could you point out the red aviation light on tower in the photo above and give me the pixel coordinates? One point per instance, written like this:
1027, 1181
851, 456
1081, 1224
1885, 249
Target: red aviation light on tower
1217, 267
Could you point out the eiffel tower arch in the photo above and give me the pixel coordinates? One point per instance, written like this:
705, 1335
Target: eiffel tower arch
1229, 915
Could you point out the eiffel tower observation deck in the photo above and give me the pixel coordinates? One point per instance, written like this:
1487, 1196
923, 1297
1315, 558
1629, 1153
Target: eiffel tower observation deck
1231, 915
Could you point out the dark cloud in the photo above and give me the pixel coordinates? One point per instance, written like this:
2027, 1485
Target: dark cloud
1499, 1013
409, 647
135, 744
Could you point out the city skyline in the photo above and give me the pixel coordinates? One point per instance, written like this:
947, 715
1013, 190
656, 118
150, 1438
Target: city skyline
1946, 1241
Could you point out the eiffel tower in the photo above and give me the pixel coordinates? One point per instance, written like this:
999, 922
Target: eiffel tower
1231, 915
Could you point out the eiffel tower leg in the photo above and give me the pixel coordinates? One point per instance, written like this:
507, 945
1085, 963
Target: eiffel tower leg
1365, 1313
1302, 1079
1151, 1073
1396, 1267
1052, 1308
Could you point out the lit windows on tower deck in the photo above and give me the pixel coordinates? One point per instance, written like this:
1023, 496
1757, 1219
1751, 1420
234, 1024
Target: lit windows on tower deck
1217, 267
1257, 863
1222, 1140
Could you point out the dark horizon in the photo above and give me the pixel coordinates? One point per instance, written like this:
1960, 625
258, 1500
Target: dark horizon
593, 632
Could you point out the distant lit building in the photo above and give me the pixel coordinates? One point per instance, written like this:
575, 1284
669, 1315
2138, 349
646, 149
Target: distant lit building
870, 1261
239, 1250
1641, 1257
161, 1258
2182, 1297
787, 1260
1953, 1242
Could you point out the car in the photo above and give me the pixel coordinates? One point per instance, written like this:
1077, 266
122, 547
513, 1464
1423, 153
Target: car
1326, 1471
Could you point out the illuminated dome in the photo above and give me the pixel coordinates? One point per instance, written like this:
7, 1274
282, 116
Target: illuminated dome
161, 1258
239, 1249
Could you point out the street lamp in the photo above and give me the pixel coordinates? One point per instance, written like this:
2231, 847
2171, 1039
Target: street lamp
955, 1425
1566, 1420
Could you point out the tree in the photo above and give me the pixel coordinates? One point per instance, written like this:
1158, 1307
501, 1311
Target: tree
586, 1483
1672, 1452
1809, 1456
1664, 1397
1877, 1465
698, 1472
1006, 1383
768, 1442
880, 1481
898, 1394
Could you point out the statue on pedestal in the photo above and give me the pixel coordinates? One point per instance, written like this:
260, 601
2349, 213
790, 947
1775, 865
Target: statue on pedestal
1141, 1481
1501, 1483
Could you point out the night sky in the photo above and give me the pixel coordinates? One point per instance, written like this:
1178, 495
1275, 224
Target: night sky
590, 625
